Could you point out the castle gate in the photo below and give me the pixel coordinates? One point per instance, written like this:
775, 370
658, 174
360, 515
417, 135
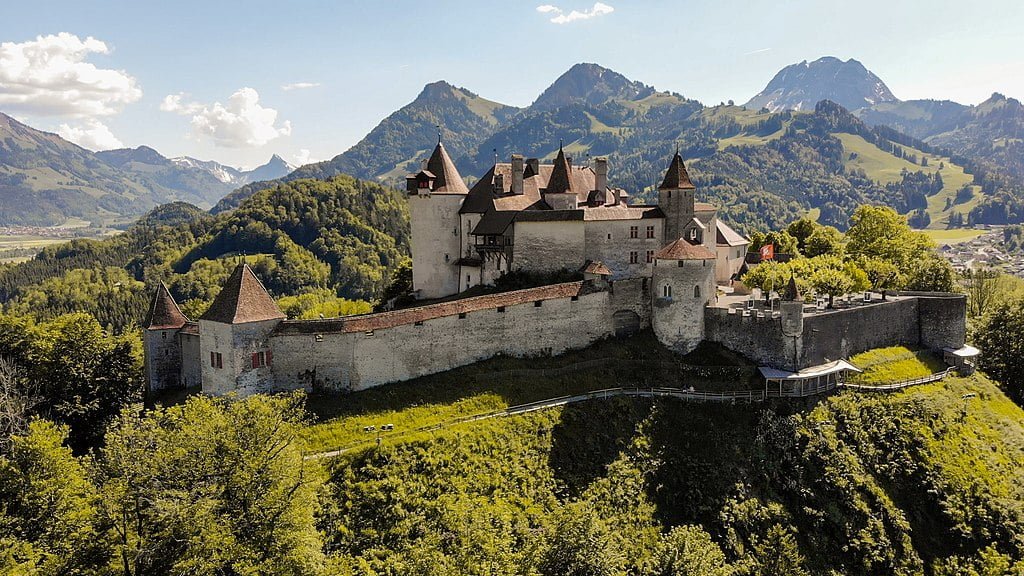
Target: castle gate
626, 323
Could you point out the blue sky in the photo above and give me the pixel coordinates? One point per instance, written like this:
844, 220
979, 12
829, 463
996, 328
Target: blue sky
102, 71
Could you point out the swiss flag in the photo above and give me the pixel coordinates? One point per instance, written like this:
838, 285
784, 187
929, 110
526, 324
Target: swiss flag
768, 252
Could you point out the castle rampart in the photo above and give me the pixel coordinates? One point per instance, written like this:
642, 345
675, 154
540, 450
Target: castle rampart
365, 351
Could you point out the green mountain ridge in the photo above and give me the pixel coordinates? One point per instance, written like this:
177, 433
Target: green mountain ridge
46, 180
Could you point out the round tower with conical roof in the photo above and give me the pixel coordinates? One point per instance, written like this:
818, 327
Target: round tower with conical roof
684, 284
436, 194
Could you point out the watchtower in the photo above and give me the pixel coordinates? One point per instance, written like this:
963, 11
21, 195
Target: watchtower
684, 284
435, 195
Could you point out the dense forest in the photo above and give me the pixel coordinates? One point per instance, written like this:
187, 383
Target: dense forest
331, 242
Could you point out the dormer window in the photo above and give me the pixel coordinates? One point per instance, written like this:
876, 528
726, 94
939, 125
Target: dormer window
694, 233
423, 184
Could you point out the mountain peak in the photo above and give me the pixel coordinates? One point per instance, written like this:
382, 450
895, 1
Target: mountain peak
801, 86
590, 84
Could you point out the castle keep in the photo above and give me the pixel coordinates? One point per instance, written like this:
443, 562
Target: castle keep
667, 266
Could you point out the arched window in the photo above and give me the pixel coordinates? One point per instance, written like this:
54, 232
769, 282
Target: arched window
696, 291
666, 291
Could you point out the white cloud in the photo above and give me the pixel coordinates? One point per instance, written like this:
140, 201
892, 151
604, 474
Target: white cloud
599, 9
303, 157
299, 86
49, 76
91, 134
241, 123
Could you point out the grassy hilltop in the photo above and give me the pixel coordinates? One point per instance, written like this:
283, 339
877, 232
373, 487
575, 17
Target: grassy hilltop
917, 482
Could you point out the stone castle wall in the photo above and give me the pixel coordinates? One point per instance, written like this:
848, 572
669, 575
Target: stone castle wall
162, 353
337, 360
932, 321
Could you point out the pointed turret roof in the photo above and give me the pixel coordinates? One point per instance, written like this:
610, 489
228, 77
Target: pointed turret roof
676, 178
446, 176
242, 299
792, 293
559, 182
164, 313
681, 249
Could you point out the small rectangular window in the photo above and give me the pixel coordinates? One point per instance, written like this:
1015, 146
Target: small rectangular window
418, 323
462, 315
634, 257
650, 231
634, 231
537, 304
650, 256
501, 308
573, 298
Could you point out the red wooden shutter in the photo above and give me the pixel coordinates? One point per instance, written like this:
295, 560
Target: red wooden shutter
269, 357
255, 360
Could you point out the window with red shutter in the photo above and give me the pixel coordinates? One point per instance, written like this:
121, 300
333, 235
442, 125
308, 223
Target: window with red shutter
255, 360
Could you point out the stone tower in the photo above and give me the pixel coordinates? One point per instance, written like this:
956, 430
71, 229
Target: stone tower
161, 346
676, 199
435, 195
235, 331
684, 284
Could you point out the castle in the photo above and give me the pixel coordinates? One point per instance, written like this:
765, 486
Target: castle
667, 266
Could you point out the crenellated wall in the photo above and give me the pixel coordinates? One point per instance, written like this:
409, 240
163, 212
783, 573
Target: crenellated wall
929, 320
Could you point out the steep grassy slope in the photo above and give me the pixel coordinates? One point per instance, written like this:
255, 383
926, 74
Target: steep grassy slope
916, 482
883, 166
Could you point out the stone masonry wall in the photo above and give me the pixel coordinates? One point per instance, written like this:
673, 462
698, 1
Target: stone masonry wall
759, 339
163, 358
843, 333
355, 361
548, 246
930, 321
191, 361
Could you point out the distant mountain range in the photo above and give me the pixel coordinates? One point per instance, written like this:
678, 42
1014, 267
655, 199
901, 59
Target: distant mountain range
45, 180
801, 86
777, 157
763, 167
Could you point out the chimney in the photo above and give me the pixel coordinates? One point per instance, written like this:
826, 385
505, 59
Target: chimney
517, 173
533, 165
601, 178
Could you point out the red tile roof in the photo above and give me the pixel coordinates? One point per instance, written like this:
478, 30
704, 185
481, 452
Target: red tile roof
597, 268
164, 313
369, 322
683, 250
242, 299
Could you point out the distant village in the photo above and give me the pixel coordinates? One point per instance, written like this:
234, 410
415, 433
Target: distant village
984, 251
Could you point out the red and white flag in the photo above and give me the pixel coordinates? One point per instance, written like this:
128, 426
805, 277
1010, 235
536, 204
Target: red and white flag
768, 252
